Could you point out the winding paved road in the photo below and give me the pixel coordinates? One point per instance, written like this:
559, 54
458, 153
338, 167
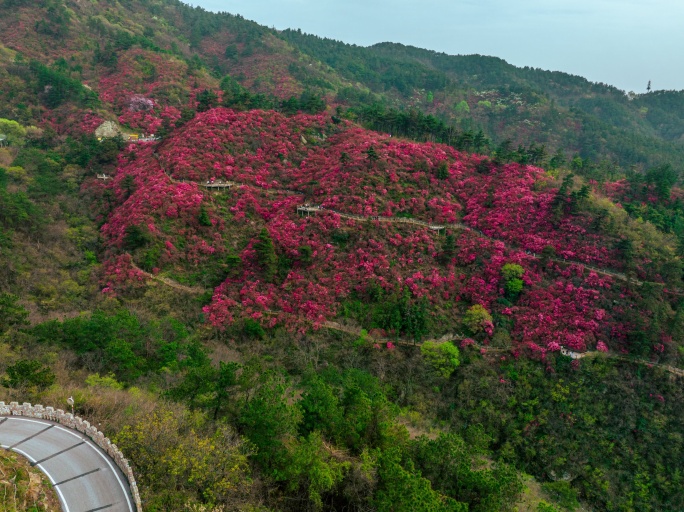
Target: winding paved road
85, 478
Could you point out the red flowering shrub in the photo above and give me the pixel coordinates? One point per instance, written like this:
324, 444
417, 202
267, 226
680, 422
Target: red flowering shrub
120, 276
311, 264
90, 122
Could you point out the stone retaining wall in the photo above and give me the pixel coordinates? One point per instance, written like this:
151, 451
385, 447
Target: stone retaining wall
74, 422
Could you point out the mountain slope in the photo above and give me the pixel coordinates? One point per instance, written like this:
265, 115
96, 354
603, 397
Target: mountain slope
271, 307
522, 104
155, 45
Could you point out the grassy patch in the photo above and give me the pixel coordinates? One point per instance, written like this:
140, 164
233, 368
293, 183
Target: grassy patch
23, 488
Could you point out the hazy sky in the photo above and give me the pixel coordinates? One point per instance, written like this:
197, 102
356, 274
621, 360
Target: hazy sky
624, 43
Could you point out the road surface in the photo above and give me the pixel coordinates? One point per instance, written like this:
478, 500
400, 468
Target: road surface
84, 477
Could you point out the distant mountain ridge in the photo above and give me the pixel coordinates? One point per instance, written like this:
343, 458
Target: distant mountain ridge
98, 43
529, 105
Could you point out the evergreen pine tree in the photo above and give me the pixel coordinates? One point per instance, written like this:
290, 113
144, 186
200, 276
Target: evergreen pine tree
204, 219
266, 255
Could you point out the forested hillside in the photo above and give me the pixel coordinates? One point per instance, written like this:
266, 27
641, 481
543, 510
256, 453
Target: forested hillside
594, 121
284, 273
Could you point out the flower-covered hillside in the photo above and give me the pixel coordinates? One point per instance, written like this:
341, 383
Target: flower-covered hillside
275, 264
147, 88
262, 148
357, 171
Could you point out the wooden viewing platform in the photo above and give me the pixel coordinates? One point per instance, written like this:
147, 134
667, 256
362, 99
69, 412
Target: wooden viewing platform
218, 184
134, 137
573, 355
307, 209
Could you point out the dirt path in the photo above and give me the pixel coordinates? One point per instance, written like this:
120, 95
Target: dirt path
170, 282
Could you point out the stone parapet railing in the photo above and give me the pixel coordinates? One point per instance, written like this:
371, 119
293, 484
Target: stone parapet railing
74, 422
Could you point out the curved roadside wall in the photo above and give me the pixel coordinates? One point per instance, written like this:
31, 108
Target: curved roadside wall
74, 422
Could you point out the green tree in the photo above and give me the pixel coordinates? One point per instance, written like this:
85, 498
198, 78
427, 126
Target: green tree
135, 237
12, 314
458, 468
313, 468
537, 154
372, 154
55, 86
128, 185
403, 314
578, 198
14, 132
311, 103
448, 249
415, 317
269, 419
290, 106
266, 255
548, 253
305, 254
226, 378
625, 246
504, 152
663, 177
181, 460
206, 100
196, 386
349, 408
577, 164
477, 319
401, 488
462, 108
557, 160
28, 373
562, 493
321, 410
204, 219
443, 170
231, 52
512, 274
443, 357
106, 56
560, 201
253, 329
120, 355
187, 114
480, 141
